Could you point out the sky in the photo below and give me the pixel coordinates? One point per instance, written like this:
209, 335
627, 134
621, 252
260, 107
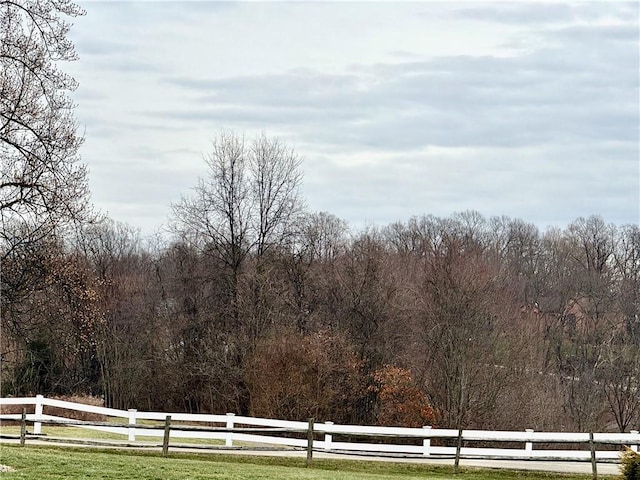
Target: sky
399, 109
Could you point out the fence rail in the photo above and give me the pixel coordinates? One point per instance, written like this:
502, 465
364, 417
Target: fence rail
232, 428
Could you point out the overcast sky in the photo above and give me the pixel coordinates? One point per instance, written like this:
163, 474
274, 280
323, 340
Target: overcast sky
525, 109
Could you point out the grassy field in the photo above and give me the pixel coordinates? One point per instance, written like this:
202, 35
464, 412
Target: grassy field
83, 433
64, 432
43, 463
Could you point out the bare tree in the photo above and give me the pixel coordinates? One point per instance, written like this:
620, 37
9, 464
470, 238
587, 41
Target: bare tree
240, 218
42, 183
247, 204
620, 380
249, 201
578, 299
627, 260
276, 177
464, 311
324, 237
621, 368
217, 215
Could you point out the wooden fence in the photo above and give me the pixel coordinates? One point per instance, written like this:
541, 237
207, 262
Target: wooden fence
425, 442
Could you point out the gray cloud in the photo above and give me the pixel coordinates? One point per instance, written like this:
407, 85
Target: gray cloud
517, 13
545, 13
88, 45
544, 128
514, 101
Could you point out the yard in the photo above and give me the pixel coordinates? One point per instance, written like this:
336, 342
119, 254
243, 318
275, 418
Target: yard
42, 463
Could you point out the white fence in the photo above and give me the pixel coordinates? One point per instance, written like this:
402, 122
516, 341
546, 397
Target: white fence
229, 428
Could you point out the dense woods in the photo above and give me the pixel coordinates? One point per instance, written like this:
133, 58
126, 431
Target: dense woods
452, 321
253, 304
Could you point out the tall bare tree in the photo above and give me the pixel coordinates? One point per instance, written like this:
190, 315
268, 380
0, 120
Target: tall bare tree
324, 237
42, 182
248, 203
43, 185
621, 368
240, 218
275, 180
464, 312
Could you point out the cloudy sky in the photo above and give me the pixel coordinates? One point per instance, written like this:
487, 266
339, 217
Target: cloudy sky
525, 109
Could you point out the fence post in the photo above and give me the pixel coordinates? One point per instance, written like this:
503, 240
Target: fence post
528, 446
310, 442
165, 439
37, 426
23, 426
594, 465
228, 442
456, 463
132, 421
634, 447
426, 442
328, 438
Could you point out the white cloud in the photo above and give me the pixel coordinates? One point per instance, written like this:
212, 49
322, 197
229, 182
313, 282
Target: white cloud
398, 108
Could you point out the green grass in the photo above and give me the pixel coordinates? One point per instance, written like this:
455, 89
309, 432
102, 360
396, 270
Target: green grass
45, 463
65, 432
85, 434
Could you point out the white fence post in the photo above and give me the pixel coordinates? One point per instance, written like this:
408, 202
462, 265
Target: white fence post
528, 446
328, 438
229, 437
634, 447
37, 426
426, 443
132, 421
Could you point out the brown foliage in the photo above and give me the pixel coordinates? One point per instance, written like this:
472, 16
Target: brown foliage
296, 376
500, 326
400, 401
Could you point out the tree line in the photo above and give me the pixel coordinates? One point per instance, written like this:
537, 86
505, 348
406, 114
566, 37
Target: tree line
485, 323
255, 305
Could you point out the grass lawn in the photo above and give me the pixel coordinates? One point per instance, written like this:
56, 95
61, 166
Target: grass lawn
64, 432
42, 463
83, 433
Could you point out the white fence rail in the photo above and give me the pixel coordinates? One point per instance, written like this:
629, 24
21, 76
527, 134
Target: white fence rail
226, 428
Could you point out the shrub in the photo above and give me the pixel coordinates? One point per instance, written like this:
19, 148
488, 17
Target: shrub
400, 401
295, 376
630, 464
